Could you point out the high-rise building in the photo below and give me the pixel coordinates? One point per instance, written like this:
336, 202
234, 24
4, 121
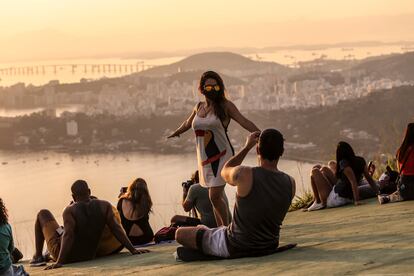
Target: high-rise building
72, 128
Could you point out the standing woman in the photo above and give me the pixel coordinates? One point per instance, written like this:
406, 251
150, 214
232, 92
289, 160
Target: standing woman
134, 207
405, 158
210, 120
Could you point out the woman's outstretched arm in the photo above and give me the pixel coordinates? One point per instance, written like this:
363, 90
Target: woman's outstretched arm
235, 114
186, 125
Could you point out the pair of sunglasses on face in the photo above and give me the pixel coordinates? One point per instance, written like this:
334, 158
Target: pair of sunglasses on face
209, 88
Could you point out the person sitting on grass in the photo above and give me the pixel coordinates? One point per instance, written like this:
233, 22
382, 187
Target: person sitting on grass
263, 197
196, 199
134, 207
405, 159
84, 222
7, 246
334, 190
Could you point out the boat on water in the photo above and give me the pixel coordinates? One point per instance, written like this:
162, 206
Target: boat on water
4, 163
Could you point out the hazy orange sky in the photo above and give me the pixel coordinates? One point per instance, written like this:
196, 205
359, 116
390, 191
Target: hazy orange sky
38, 29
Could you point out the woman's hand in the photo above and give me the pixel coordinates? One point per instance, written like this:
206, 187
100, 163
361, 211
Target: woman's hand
252, 139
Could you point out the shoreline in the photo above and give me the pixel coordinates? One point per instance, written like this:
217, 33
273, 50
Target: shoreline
286, 157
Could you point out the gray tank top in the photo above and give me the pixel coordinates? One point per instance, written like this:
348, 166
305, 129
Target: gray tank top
258, 216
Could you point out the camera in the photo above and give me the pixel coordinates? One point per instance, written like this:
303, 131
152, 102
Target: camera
187, 184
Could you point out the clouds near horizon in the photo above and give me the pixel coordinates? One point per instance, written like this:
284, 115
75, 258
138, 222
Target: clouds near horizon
66, 29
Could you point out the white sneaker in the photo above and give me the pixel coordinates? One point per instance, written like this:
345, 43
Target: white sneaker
382, 199
316, 206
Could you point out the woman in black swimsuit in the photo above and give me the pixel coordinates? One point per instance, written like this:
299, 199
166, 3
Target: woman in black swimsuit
134, 207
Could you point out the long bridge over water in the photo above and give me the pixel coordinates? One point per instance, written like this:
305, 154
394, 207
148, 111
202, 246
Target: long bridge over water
75, 68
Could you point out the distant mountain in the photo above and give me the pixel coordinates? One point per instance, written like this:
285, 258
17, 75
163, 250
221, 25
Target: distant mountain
222, 62
190, 76
396, 66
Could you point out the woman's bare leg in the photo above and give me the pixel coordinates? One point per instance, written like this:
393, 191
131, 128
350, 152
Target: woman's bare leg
322, 184
315, 190
313, 185
216, 195
329, 175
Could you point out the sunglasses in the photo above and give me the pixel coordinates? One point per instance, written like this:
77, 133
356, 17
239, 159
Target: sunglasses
209, 88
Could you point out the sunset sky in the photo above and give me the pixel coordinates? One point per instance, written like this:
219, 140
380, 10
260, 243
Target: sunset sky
39, 29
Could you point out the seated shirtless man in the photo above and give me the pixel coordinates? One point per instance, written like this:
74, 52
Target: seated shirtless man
84, 222
264, 195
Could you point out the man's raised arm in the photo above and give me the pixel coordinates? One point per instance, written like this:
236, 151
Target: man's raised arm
235, 174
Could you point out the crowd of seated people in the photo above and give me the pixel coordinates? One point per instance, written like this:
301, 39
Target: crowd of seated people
94, 228
340, 187
84, 221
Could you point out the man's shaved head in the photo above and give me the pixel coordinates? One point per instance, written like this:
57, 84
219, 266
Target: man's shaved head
80, 188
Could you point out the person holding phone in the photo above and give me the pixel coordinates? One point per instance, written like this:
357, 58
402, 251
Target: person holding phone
210, 120
134, 207
334, 190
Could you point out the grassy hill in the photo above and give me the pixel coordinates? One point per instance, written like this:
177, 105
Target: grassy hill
367, 239
397, 66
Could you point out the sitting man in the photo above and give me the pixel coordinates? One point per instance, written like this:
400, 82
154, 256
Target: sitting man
264, 195
84, 222
196, 197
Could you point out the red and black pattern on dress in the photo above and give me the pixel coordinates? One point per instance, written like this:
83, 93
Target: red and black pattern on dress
211, 149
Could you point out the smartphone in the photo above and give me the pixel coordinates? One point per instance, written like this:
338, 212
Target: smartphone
60, 231
122, 191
